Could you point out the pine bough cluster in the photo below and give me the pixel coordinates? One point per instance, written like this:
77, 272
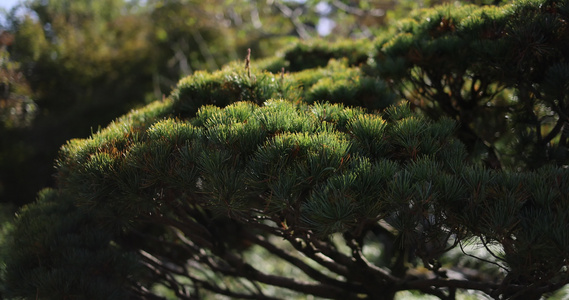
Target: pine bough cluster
265, 185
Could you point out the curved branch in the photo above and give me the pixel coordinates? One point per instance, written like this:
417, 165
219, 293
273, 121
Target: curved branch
358, 255
221, 291
554, 132
163, 270
292, 15
481, 259
322, 255
317, 289
313, 273
427, 284
358, 12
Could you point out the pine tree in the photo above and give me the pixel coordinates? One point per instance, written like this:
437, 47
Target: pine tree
502, 72
266, 185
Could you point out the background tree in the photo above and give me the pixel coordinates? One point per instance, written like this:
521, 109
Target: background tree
74, 86
17, 109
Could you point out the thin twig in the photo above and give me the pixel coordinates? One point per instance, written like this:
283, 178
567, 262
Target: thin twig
479, 258
248, 63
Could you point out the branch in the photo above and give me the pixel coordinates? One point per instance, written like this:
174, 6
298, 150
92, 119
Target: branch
427, 284
317, 289
143, 293
358, 255
485, 243
192, 229
358, 12
159, 268
164, 272
481, 259
318, 254
234, 295
293, 17
237, 267
554, 132
313, 273
204, 49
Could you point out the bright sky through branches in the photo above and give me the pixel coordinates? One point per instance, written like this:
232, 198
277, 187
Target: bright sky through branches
5, 6
324, 25
8, 4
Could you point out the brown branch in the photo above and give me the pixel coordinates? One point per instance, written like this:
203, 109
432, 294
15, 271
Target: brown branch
485, 243
293, 15
426, 285
192, 229
234, 295
481, 259
317, 289
143, 293
318, 254
379, 272
554, 132
358, 12
301, 265
204, 49
238, 268
162, 269
163, 272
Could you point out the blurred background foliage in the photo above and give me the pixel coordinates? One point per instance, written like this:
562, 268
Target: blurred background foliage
68, 67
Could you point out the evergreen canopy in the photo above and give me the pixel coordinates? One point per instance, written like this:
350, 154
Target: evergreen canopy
507, 63
261, 185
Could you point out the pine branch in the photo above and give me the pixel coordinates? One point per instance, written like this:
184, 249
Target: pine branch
300, 264
316, 289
